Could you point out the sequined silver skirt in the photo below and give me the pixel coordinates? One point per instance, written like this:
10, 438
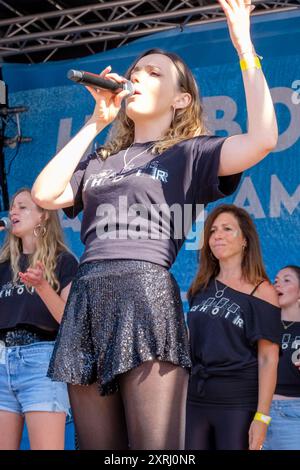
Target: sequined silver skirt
119, 314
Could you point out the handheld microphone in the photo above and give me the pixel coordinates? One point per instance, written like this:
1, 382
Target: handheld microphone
5, 222
91, 79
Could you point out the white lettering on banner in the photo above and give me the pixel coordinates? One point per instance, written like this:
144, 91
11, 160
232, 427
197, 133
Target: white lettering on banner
289, 137
247, 192
64, 134
74, 224
228, 106
280, 196
280, 95
296, 94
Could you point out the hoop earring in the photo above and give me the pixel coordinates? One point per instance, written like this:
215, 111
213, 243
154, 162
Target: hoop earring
39, 231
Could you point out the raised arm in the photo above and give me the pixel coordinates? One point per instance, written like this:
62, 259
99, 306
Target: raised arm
240, 152
52, 189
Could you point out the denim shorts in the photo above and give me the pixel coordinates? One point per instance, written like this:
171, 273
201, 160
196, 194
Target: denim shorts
284, 429
24, 385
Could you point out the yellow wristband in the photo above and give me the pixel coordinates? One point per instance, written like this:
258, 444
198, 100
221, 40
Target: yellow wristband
263, 418
251, 62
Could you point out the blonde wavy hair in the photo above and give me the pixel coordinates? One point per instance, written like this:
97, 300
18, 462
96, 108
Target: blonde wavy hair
187, 122
48, 246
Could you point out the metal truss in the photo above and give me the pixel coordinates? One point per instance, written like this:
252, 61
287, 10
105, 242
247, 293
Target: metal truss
102, 25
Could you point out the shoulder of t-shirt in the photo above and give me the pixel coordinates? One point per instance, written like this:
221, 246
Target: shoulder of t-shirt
4, 263
267, 293
85, 159
65, 257
199, 139
199, 293
4, 266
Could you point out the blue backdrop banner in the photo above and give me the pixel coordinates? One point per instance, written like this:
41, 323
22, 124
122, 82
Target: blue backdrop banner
270, 191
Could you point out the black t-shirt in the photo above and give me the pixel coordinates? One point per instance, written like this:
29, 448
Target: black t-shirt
224, 331
18, 306
288, 378
123, 208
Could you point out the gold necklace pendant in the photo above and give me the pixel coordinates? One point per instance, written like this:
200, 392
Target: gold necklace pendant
287, 326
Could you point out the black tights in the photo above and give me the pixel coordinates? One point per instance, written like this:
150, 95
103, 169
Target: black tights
217, 428
147, 413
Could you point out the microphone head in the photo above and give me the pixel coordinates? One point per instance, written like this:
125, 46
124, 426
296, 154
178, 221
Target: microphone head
129, 86
75, 75
6, 223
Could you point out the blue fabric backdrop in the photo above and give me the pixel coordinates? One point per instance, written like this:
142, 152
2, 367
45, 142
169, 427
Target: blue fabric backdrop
270, 191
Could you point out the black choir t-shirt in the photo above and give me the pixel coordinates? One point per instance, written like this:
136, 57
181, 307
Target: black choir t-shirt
19, 306
224, 330
154, 198
288, 378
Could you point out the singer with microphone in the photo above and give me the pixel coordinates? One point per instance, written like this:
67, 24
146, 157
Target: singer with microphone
122, 346
36, 270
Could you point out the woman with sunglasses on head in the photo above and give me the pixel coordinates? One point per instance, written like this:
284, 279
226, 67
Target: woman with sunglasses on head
130, 330
234, 325
284, 429
36, 271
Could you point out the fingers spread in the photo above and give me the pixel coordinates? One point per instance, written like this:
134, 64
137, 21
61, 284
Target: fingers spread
105, 71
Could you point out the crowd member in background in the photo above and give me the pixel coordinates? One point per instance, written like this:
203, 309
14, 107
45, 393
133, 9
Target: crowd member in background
36, 271
123, 334
234, 325
284, 430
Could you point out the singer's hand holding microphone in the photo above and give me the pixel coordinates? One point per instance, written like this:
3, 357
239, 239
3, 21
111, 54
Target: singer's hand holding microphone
105, 91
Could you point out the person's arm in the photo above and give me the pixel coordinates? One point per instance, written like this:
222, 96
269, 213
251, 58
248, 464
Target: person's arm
268, 354
54, 302
52, 189
240, 152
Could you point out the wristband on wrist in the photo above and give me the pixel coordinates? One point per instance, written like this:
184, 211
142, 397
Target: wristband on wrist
263, 418
250, 62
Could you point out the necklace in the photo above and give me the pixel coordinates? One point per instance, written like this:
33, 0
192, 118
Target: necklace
133, 158
219, 292
285, 326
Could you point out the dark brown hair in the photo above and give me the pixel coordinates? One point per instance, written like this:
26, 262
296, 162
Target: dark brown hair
253, 270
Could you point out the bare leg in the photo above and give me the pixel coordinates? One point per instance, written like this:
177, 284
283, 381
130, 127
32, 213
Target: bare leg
154, 396
46, 430
11, 428
99, 421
